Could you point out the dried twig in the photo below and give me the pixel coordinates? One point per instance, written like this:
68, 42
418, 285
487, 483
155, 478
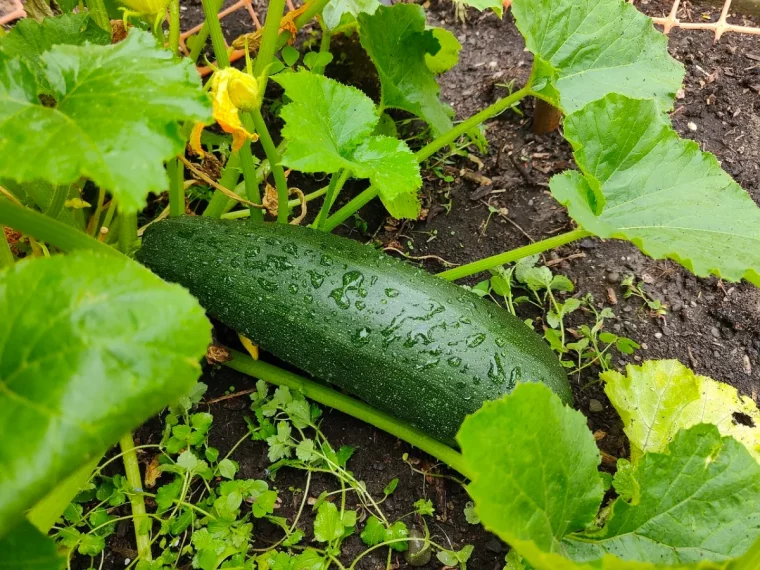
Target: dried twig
226, 191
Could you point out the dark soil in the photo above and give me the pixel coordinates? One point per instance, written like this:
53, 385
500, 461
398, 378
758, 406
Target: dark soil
711, 326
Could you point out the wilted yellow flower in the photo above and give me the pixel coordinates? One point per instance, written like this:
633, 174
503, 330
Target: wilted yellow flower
225, 84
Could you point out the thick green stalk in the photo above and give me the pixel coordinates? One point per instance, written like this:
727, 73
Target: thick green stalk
48, 230
452, 135
127, 232
336, 184
268, 40
139, 516
512, 255
97, 9
229, 179
274, 161
174, 27
211, 11
176, 187
6, 255
348, 405
202, 36
356, 204
250, 177
750, 560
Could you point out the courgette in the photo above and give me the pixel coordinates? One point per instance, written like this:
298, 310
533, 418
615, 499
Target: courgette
415, 346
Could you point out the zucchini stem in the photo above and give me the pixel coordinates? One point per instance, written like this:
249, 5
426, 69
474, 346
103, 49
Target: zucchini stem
274, 161
176, 172
174, 27
46, 229
512, 255
348, 405
356, 204
132, 469
336, 184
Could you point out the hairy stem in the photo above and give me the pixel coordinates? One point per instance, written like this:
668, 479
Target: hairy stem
127, 232
268, 41
348, 405
210, 10
512, 255
250, 176
132, 470
336, 184
48, 230
174, 27
491, 111
356, 204
202, 36
274, 161
230, 175
176, 187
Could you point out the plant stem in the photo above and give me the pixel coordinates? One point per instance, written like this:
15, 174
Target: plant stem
60, 193
512, 255
268, 41
127, 232
94, 224
229, 179
237, 214
176, 187
250, 176
6, 255
491, 111
315, 7
48, 230
348, 405
324, 47
356, 204
132, 470
274, 161
211, 12
97, 9
174, 27
336, 184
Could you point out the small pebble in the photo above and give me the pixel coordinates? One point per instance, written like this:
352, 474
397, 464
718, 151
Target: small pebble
595, 406
715, 332
613, 277
627, 309
494, 546
644, 346
658, 335
692, 126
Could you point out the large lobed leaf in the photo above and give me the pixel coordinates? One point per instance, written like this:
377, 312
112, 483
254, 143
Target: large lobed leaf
90, 347
585, 49
640, 182
29, 39
342, 11
328, 127
115, 118
661, 397
397, 41
535, 484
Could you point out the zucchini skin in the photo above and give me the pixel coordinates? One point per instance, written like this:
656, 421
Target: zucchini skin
415, 346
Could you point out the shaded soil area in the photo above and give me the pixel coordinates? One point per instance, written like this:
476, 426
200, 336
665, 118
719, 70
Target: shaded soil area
713, 327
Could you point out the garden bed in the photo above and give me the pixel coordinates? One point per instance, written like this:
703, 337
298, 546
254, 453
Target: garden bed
713, 327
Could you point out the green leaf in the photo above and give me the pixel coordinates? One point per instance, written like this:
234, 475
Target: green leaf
697, 501
337, 10
328, 525
424, 507
585, 50
27, 548
374, 532
448, 55
397, 42
115, 118
644, 184
328, 127
496, 5
29, 39
227, 468
90, 347
661, 397
545, 484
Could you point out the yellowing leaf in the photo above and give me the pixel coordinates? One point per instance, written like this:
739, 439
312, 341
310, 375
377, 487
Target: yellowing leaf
660, 397
225, 84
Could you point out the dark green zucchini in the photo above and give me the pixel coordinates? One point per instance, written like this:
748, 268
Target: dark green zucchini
415, 346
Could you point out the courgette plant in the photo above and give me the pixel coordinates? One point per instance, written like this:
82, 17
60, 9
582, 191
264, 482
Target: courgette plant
83, 119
